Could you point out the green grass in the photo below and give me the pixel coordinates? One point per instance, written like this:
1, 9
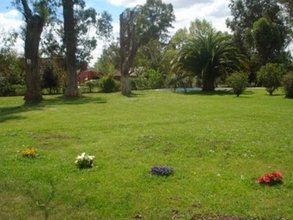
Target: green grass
217, 144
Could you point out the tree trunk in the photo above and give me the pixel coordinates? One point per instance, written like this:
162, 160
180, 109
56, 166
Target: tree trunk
208, 83
125, 85
128, 49
70, 45
33, 33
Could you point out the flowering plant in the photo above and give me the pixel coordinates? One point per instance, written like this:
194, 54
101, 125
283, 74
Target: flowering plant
84, 161
29, 152
271, 178
162, 170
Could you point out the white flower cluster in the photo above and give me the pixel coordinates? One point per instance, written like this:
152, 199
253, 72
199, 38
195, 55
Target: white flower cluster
84, 160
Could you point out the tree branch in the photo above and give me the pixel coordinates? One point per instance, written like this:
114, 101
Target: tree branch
27, 11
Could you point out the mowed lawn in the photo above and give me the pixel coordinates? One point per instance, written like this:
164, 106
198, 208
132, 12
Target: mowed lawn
218, 145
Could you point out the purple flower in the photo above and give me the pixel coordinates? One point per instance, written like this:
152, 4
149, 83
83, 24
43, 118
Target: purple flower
161, 170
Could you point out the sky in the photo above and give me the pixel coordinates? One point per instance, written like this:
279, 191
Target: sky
215, 11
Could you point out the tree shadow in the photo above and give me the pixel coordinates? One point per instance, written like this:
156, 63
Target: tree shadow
61, 100
13, 112
216, 93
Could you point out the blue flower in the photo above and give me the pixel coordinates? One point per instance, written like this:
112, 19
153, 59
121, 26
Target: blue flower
161, 170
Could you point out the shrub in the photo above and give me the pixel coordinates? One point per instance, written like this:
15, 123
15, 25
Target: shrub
91, 84
108, 84
84, 161
155, 79
288, 85
270, 76
162, 170
5, 87
238, 82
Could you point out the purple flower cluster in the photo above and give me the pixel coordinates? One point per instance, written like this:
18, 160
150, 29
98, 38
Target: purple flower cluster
162, 170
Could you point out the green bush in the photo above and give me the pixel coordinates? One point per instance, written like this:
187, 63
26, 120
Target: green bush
108, 84
288, 85
270, 76
91, 84
155, 79
238, 82
6, 88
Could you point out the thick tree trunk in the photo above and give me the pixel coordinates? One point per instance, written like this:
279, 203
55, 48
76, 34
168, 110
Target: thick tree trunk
70, 44
125, 85
128, 49
33, 33
208, 83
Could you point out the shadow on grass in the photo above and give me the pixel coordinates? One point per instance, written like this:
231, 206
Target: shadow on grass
217, 93
12, 113
61, 100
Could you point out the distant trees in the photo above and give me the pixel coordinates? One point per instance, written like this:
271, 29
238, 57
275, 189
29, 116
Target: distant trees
261, 31
138, 26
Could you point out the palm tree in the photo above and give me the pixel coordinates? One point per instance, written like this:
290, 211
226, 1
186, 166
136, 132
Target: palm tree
207, 56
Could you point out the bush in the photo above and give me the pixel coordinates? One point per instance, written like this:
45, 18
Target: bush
91, 84
270, 76
155, 79
5, 87
108, 84
288, 85
238, 82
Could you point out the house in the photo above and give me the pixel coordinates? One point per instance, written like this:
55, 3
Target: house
86, 74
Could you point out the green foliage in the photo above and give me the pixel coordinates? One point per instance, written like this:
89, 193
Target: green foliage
267, 39
91, 84
50, 78
108, 84
150, 79
207, 56
288, 85
270, 76
5, 87
261, 32
109, 61
238, 82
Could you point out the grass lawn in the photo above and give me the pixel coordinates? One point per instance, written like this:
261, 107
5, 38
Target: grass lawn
217, 144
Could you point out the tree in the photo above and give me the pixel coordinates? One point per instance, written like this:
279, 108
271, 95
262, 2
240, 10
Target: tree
206, 55
238, 82
248, 15
267, 39
70, 41
35, 17
270, 76
138, 26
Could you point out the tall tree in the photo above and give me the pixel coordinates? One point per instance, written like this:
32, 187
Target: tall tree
246, 12
70, 45
138, 26
35, 16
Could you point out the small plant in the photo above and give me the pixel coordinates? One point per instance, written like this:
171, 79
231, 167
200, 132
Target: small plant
271, 178
108, 84
238, 82
84, 161
162, 170
29, 152
288, 85
270, 76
